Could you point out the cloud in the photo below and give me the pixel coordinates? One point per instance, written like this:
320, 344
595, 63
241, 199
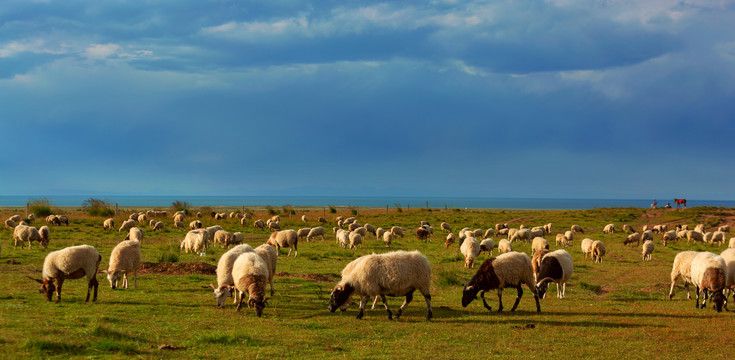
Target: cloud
101, 51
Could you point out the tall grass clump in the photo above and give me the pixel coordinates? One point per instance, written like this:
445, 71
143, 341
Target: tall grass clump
179, 205
332, 209
40, 207
271, 210
97, 207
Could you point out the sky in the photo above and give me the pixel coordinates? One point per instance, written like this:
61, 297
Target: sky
557, 98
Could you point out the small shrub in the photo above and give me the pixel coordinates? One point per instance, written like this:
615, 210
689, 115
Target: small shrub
332, 209
168, 257
271, 210
97, 207
179, 205
354, 212
40, 207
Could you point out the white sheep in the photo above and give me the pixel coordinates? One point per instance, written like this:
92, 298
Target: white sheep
470, 249
504, 246
669, 236
710, 277
303, 218
322, 220
72, 262
587, 247
196, 224
523, 234
598, 251
450, 240
682, 269
397, 273
487, 245
355, 239
445, 227
224, 273
732, 243
16, 218
211, 230
648, 248
343, 237
179, 225
109, 224
511, 269
28, 234
397, 231
628, 229
548, 227
490, 232
538, 244
44, 231
556, 267
223, 238
729, 256
577, 229
158, 225
9, 224
124, 259
269, 254
387, 238
142, 218
718, 237
126, 225
647, 235
707, 237
286, 239
634, 237
694, 235
195, 241
314, 232
568, 237
560, 239
609, 229
250, 272
302, 233
135, 233
723, 228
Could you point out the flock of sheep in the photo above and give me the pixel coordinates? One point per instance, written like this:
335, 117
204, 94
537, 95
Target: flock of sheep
247, 270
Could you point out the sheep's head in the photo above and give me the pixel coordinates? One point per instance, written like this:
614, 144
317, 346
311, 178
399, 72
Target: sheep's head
222, 293
718, 299
258, 304
339, 297
469, 294
113, 278
542, 286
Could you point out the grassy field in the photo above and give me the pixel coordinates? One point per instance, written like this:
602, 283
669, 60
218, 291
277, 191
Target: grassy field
615, 309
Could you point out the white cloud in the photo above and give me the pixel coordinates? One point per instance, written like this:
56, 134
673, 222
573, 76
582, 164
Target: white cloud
101, 51
36, 46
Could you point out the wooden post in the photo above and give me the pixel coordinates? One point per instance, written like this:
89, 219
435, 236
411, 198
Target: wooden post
325, 212
357, 212
115, 209
408, 207
427, 204
27, 206
445, 206
386, 209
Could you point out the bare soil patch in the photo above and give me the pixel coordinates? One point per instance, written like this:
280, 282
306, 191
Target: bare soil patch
177, 268
314, 277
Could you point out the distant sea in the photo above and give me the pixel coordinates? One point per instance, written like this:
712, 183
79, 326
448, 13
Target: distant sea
362, 201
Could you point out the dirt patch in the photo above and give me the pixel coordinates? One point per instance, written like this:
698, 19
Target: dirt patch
314, 277
177, 268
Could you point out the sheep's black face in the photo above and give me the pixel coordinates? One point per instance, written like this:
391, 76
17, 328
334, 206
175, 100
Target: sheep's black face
469, 294
541, 289
339, 296
48, 289
718, 299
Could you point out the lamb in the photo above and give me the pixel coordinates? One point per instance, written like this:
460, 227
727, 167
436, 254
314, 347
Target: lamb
135, 234
72, 262
648, 248
487, 245
44, 232
224, 273
470, 249
29, 234
507, 270
286, 239
397, 231
445, 227
126, 225
682, 268
223, 238
397, 273
587, 247
387, 238
576, 229
109, 224
556, 267
179, 225
355, 239
196, 224
694, 235
269, 254
250, 274
709, 276
538, 244
303, 233
609, 229
634, 237
314, 232
598, 251
195, 241
125, 258
504, 246
450, 240
669, 236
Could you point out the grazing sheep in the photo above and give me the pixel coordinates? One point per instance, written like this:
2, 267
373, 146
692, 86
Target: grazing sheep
682, 268
125, 258
109, 224
52, 220
536, 232
72, 262
302, 233
470, 249
15, 218
126, 225
224, 274
9, 224
303, 218
556, 267
223, 238
633, 238
397, 273
523, 234
355, 239
512, 233
577, 229
718, 237
699, 228
723, 228
286, 239
445, 227
361, 230
196, 224
135, 234
142, 218
647, 235
212, 230
489, 233
343, 237
732, 243
152, 223
259, 224
587, 247
25, 233
609, 229
314, 232
628, 229
502, 231
560, 239
504, 246
669, 236
158, 225
274, 226
195, 241
387, 238
237, 238
369, 228
645, 228
729, 256
694, 235
512, 269
548, 227
179, 225
598, 251
648, 248
487, 245
322, 220
422, 234
179, 217
568, 237
44, 231
397, 231
250, 274
450, 240
682, 234
709, 276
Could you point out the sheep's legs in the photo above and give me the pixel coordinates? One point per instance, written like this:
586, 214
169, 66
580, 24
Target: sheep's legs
429, 314
409, 297
375, 301
59, 282
696, 302
93, 283
385, 303
363, 301
239, 302
518, 298
484, 303
500, 300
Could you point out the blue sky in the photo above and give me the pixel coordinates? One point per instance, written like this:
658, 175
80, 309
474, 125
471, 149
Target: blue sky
555, 98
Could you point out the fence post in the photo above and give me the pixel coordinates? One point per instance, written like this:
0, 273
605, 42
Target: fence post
27, 206
386, 209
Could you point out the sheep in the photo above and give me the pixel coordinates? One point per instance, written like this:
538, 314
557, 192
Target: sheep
560, 239
718, 237
53, 220
463, 234
397, 273
709, 277
322, 220
645, 228
237, 238
536, 232
609, 229
397, 231
220, 216
504, 246
250, 273
512, 269
587, 247
27, 233
538, 244
108, 224
682, 234
286, 239
487, 245
314, 232
450, 240
125, 258
694, 235
470, 249
15, 218
63, 220
536, 262
224, 274
628, 229
196, 224
648, 248
723, 228
223, 238
445, 227
353, 225
274, 226
179, 225
72, 262
502, 231
682, 268
361, 230
477, 233
422, 234
135, 234
126, 225
269, 254
568, 237
9, 224
556, 267
151, 223
179, 217
576, 229
387, 238
548, 227
598, 251
303, 218
369, 228
634, 237
647, 235
523, 234
669, 236
355, 239
142, 218
379, 233
195, 241
45, 233
211, 230
490, 232
729, 256
343, 237
158, 225
511, 233
699, 228
732, 243
303, 233
499, 226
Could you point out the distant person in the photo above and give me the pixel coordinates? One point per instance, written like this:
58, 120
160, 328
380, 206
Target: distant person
668, 206
654, 205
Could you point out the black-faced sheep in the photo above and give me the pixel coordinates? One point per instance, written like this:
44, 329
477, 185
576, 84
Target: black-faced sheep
250, 274
397, 273
72, 262
512, 269
556, 267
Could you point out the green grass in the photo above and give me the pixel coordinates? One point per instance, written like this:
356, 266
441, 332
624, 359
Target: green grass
615, 309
